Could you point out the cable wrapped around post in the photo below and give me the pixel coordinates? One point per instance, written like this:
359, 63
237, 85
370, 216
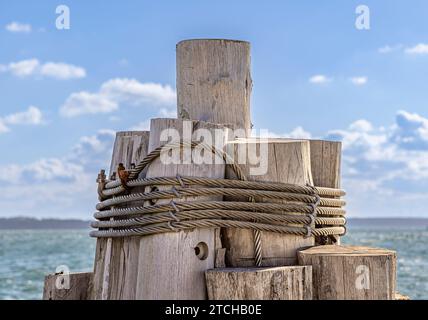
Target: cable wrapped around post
318, 210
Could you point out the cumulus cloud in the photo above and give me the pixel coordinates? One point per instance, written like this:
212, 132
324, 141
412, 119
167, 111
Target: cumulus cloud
385, 166
319, 79
17, 27
419, 49
115, 92
62, 71
411, 131
359, 81
87, 103
299, 133
31, 116
23, 68
56, 70
131, 90
361, 125
63, 186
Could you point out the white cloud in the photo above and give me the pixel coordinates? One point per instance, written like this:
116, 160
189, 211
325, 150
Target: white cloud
361, 125
32, 116
384, 169
83, 102
299, 133
3, 127
359, 81
18, 27
319, 79
23, 68
119, 91
62, 186
62, 71
123, 89
56, 70
421, 48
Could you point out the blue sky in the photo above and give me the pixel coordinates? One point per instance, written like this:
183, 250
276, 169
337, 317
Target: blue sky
63, 93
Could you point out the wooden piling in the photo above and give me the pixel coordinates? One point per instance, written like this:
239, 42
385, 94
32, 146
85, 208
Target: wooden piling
326, 168
214, 81
279, 283
71, 286
172, 265
116, 260
351, 272
287, 161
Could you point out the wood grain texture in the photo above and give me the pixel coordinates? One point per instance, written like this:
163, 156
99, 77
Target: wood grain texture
80, 286
325, 165
168, 265
116, 260
214, 81
287, 161
279, 283
351, 272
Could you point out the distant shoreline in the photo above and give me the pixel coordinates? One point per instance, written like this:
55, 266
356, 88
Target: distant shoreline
19, 223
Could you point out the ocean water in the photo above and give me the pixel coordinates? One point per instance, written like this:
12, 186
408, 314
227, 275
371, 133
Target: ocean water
26, 256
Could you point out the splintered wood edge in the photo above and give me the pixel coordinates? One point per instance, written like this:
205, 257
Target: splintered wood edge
256, 270
334, 250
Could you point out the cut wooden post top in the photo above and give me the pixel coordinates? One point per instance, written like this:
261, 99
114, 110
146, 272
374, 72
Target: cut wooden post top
276, 283
332, 250
214, 82
256, 269
214, 40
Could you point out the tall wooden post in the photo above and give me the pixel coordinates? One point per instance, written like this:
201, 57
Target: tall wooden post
172, 265
214, 81
116, 260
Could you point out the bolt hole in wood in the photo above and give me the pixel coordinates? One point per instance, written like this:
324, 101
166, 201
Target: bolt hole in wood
201, 251
153, 201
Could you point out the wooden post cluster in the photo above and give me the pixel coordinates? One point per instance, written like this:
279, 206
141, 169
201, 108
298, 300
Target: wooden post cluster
213, 91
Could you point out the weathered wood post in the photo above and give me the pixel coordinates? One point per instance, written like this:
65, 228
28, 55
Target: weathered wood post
214, 84
172, 265
284, 161
214, 81
351, 272
116, 260
71, 286
280, 283
325, 166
